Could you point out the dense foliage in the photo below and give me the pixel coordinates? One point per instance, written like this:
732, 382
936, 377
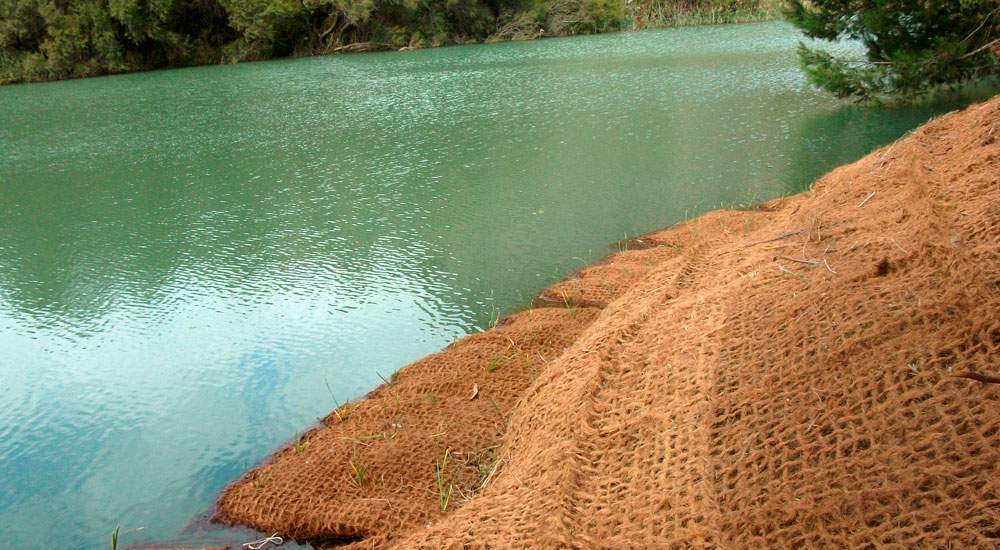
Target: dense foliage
52, 39
912, 46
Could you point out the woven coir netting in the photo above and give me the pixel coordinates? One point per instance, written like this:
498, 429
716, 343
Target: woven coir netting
429, 440
771, 378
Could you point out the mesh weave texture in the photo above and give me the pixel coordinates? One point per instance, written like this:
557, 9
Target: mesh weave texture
770, 378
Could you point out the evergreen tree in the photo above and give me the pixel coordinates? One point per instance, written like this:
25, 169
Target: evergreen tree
913, 45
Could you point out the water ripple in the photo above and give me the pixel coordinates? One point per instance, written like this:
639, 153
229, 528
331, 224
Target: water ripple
186, 255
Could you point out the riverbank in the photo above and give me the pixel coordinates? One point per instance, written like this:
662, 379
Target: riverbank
53, 41
771, 377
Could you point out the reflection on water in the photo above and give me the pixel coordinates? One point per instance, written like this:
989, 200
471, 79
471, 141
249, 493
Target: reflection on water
185, 255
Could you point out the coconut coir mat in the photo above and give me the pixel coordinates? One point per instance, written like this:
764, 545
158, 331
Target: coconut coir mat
771, 378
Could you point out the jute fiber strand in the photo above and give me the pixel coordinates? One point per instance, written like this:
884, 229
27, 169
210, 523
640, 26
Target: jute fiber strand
779, 377
374, 466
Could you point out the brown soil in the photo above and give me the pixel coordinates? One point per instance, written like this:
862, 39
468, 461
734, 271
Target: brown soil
775, 378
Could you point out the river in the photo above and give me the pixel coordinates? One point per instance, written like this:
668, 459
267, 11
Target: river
189, 257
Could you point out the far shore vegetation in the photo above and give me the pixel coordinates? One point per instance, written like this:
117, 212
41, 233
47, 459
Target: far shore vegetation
55, 39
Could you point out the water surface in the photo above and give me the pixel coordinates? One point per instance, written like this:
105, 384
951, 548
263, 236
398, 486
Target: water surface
185, 255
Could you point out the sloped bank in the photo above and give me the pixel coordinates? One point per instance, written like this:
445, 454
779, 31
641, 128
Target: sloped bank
776, 378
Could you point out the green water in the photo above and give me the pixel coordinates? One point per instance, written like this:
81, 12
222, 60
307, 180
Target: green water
185, 255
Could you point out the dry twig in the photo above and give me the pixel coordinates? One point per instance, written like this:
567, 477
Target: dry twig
800, 260
790, 272
778, 238
984, 378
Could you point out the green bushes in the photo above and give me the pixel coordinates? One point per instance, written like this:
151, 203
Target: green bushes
55, 43
266, 28
643, 14
53, 39
603, 15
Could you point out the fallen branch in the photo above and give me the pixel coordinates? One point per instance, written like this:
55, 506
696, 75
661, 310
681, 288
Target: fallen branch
362, 47
790, 272
778, 238
800, 260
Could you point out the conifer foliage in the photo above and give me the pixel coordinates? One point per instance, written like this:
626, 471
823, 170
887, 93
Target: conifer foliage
912, 45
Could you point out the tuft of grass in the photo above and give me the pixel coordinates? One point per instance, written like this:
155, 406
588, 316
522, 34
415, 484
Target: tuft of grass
445, 482
115, 534
390, 428
531, 364
570, 304
622, 245
503, 357
494, 312
484, 462
359, 468
341, 414
258, 480
300, 444
428, 394
445, 485
497, 362
389, 431
329, 389
504, 422
752, 203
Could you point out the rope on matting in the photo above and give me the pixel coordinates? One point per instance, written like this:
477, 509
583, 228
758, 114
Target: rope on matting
261, 543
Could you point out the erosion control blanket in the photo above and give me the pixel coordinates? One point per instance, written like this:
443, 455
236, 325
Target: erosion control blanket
779, 377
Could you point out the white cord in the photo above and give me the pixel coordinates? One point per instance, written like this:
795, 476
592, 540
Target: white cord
260, 543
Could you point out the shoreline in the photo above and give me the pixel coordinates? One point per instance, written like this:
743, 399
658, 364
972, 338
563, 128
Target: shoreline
689, 18
521, 432
584, 308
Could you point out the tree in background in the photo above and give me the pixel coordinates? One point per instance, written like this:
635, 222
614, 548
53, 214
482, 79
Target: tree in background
913, 46
53, 39
77, 41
